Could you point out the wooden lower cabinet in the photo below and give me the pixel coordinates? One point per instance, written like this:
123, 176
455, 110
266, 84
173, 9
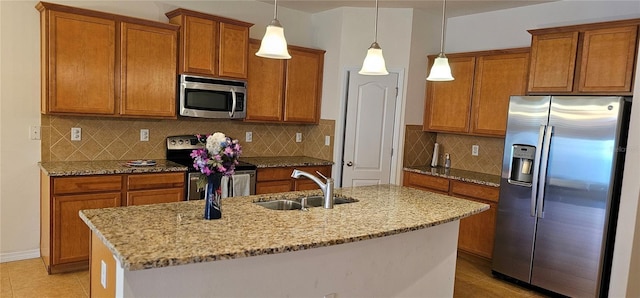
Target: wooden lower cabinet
70, 233
64, 237
273, 180
476, 232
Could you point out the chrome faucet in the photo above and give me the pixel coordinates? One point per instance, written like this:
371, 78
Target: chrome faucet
327, 188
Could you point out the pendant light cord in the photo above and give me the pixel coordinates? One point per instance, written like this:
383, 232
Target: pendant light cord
444, 5
275, 9
375, 25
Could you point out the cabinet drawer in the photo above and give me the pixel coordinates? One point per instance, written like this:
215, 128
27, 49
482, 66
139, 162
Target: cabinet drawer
154, 181
272, 174
87, 184
157, 196
273, 186
477, 191
428, 182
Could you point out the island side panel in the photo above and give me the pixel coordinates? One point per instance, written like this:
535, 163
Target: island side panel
413, 264
101, 262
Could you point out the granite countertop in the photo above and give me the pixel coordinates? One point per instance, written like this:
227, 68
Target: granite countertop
455, 174
285, 161
104, 167
161, 235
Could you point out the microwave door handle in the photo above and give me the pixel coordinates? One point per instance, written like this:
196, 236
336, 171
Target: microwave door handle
233, 105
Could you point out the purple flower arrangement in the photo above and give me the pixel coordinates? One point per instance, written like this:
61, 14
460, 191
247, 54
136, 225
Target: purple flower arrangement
220, 155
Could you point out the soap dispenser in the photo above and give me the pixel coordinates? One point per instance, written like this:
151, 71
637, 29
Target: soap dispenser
447, 161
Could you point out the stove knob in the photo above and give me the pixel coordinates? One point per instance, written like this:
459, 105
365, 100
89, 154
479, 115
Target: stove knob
180, 142
173, 142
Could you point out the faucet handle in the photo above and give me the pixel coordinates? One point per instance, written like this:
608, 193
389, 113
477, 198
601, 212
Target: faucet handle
323, 176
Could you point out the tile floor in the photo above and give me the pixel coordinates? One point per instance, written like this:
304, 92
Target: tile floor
28, 278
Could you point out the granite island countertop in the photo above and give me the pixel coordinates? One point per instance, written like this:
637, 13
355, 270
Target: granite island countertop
161, 235
455, 174
106, 167
285, 161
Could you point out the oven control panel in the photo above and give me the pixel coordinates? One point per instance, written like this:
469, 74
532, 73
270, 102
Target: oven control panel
183, 142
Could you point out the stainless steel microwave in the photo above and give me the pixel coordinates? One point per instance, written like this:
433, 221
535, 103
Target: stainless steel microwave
204, 97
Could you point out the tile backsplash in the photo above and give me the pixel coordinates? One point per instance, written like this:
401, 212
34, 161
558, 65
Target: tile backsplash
119, 139
419, 149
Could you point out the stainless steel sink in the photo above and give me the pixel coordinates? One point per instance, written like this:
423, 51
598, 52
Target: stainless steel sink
280, 205
294, 203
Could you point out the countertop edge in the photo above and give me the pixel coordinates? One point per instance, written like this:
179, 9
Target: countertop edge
452, 177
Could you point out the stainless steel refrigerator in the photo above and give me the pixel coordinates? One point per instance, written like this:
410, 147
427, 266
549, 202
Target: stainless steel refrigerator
559, 192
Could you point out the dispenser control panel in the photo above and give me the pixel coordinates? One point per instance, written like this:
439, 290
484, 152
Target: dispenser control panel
522, 159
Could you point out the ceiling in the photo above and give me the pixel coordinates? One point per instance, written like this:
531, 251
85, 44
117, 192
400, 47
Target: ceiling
454, 7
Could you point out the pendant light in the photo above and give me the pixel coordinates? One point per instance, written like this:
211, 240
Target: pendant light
373, 64
273, 44
440, 71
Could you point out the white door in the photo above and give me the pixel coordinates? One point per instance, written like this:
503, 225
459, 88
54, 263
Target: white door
368, 140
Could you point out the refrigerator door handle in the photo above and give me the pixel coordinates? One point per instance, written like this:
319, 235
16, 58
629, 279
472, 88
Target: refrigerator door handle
543, 173
536, 170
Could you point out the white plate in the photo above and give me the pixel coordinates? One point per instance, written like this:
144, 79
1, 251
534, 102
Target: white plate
141, 163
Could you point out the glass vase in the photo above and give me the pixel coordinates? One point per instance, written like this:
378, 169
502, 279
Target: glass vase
212, 208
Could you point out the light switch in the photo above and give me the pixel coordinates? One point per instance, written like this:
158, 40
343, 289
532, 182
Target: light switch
34, 132
298, 137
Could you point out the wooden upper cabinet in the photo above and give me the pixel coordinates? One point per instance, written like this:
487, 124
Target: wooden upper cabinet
288, 91
78, 63
497, 77
553, 61
83, 73
303, 87
211, 45
148, 65
608, 59
594, 58
265, 87
448, 103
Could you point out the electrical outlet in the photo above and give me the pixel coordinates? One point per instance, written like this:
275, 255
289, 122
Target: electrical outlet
76, 134
474, 150
103, 274
34, 132
298, 137
144, 135
327, 140
248, 137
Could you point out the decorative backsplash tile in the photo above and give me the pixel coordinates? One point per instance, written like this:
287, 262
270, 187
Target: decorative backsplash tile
119, 139
419, 149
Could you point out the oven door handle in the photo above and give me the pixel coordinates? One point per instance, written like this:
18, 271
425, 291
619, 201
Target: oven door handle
233, 104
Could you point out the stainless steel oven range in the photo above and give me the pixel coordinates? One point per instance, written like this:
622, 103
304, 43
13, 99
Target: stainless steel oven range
179, 149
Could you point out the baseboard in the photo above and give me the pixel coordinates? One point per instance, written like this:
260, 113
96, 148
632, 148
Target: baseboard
20, 255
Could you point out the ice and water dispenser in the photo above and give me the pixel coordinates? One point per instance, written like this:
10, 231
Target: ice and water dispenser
522, 159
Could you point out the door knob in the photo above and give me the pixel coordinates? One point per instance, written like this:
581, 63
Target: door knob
349, 164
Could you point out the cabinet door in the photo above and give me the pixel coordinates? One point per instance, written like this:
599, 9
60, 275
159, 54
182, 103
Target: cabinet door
476, 233
273, 186
608, 57
148, 71
497, 77
265, 87
70, 233
198, 53
79, 65
303, 87
145, 197
553, 62
234, 44
448, 104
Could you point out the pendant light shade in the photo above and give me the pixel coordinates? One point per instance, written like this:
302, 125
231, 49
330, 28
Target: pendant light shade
274, 44
441, 71
373, 64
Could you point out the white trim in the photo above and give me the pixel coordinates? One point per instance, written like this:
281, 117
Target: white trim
398, 133
19, 255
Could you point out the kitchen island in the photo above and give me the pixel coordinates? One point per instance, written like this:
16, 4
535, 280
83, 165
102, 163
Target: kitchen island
394, 242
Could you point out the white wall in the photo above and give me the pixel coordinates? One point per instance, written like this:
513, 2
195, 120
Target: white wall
507, 29
20, 97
